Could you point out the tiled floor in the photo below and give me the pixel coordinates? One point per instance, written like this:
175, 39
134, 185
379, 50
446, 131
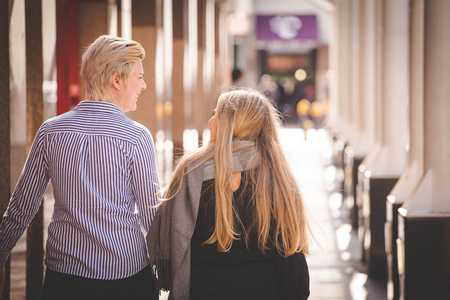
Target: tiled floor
336, 270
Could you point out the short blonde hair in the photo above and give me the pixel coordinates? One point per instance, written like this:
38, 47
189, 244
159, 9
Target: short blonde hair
106, 56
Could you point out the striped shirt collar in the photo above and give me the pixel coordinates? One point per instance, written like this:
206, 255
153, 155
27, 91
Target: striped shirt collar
95, 106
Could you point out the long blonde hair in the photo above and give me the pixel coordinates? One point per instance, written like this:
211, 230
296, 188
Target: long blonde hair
246, 114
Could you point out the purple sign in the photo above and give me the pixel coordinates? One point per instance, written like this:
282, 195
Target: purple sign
286, 27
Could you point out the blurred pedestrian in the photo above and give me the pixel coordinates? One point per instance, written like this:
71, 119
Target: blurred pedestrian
270, 89
237, 77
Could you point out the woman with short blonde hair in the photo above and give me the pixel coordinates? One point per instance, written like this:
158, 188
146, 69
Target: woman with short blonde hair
233, 208
102, 166
107, 56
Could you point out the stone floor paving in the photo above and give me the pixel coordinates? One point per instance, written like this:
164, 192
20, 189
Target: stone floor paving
335, 268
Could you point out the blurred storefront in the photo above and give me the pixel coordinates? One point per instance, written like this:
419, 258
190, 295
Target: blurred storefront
284, 52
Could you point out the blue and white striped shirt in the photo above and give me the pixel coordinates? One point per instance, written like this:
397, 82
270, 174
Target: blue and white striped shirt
102, 167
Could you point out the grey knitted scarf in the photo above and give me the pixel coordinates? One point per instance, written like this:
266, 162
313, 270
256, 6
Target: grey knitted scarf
159, 238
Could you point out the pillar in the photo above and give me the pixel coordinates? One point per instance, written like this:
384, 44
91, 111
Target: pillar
209, 69
201, 110
179, 88
144, 31
333, 113
424, 218
392, 129
371, 90
414, 171
358, 143
191, 70
437, 106
126, 19
18, 104
93, 22
67, 55
113, 18
217, 44
5, 144
222, 67
34, 80
343, 66
160, 85
224, 45
164, 87
49, 87
341, 90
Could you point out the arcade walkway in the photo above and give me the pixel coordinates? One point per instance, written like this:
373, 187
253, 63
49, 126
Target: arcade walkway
336, 271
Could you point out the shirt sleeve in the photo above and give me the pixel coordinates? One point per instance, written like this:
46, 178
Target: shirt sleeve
26, 198
145, 181
293, 276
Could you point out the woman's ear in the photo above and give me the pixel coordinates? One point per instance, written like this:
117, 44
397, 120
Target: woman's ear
116, 81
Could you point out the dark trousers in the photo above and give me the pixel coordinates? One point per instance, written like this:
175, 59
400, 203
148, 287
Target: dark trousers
59, 286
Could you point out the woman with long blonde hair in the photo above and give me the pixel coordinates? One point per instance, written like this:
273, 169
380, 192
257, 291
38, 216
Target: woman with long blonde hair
233, 224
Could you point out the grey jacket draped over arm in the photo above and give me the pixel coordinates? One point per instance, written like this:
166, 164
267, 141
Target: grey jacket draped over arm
169, 238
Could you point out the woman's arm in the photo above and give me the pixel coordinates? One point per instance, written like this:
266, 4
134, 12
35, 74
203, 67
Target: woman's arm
293, 277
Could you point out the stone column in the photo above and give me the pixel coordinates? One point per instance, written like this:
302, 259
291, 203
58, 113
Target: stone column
179, 92
201, 110
217, 66
164, 86
352, 78
389, 162
414, 171
5, 144
357, 145
112, 22
67, 55
209, 69
34, 80
346, 102
424, 218
191, 77
368, 70
343, 65
93, 18
224, 45
372, 49
160, 84
144, 31
49, 87
222, 67
333, 114
437, 106
18, 104
125, 19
